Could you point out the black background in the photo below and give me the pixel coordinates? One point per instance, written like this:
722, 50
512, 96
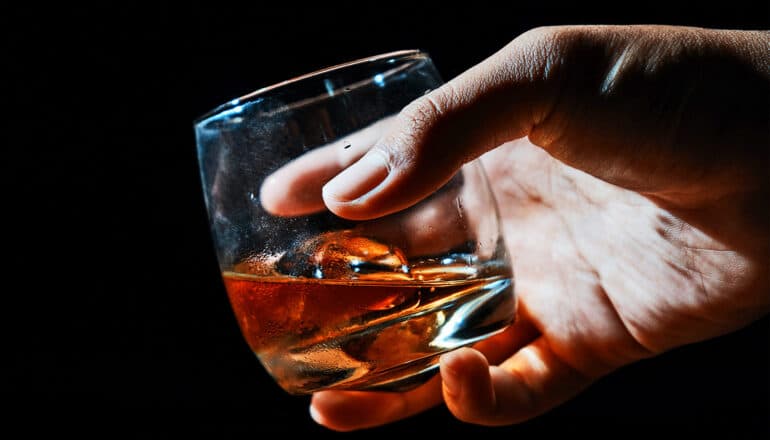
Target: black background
115, 320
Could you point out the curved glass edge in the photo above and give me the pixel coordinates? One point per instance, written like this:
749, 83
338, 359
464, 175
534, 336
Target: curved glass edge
249, 97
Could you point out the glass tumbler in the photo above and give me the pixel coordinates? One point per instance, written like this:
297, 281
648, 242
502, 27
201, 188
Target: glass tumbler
331, 303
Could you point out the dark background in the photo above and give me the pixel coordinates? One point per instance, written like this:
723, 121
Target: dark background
115, 321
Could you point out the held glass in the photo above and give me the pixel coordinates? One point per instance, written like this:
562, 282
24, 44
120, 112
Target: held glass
330, 303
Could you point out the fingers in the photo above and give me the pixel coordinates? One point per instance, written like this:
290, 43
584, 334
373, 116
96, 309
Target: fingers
616, 102
435, 135
295, 188
499, 347
642, 107
433, 229
350, 410
531, 382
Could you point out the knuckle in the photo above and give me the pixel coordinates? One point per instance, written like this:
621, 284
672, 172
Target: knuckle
421, 114
557, 38
418, 120
549, 47
413, 125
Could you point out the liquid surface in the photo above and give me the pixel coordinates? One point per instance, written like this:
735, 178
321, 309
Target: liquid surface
380, 323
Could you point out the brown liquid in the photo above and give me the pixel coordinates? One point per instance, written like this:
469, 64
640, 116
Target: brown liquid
314, 333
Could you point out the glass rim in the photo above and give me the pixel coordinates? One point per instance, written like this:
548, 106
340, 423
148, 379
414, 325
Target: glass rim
244, 99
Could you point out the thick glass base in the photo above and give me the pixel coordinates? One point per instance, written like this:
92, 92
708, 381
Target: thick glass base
400, 353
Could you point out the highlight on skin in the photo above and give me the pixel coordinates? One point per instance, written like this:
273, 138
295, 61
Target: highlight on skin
629, 163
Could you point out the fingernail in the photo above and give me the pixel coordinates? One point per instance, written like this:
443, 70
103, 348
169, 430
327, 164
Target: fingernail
359, 178
315, 415
451, 382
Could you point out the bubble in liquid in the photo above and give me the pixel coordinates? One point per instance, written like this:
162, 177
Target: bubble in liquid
344, 255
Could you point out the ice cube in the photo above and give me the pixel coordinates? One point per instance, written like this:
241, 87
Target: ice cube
344, 255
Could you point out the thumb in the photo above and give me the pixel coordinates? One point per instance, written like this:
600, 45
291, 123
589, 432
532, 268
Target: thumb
641, 107
435, 135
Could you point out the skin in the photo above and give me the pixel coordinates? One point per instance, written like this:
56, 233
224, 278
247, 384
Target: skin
630, 166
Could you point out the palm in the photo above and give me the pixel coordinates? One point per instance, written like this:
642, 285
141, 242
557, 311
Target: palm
674, 250
605, 275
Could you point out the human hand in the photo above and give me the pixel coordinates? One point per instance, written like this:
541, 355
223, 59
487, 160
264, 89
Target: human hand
635, 212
